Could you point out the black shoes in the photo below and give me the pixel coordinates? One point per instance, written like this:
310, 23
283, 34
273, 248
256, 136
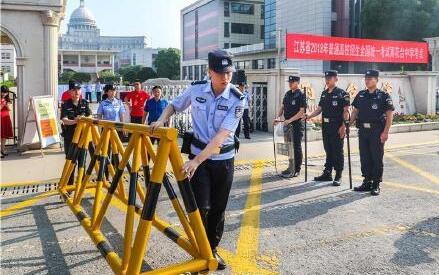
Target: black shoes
221, 263
337, 179
366, 186
325, 176
247, 137
287, 173
296, 174
375, 190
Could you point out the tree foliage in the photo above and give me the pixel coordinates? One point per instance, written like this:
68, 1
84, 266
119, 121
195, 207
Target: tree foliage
168, 63
132, 73
67, 76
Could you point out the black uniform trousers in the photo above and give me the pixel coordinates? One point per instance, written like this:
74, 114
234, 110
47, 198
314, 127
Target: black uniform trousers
295, 133
246, 124
333, 145
211, 184
371, 153
98, 97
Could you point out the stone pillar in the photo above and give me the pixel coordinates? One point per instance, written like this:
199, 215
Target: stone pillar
22, 98
50, 21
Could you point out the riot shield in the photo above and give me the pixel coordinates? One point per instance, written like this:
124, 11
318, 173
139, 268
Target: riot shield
283, 150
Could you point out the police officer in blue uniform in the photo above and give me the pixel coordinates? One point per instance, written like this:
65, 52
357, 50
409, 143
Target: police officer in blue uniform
293, 109
373, 113
245, 114
334, 107
217, 107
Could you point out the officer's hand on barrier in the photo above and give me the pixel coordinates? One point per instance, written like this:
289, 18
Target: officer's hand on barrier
190, 167
275, 121
157, 124
384, 136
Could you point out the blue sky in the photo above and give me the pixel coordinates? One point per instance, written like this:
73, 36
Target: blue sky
159, 19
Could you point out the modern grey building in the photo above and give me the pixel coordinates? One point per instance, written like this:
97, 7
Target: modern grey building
215, 24
133, 57
320, 17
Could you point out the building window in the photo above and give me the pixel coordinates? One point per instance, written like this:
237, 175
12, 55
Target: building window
6, 69
226, 29
262, 11
243, 8
262, 32
247, 64
236, 45
134, 59
226, 45
242, 28
226, 9
258, 64
6, 55
271, 63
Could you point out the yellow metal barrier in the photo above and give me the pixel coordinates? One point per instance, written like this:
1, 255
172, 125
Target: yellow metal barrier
99, 136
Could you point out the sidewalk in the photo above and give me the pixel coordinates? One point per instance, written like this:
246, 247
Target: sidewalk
30, 166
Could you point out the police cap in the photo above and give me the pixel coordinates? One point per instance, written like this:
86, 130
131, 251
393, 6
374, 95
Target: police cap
372, 73
331, 73
109, 87
220, 61
74, 85
293, 78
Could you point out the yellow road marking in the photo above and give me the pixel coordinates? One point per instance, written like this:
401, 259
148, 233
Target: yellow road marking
244, 261
18, 206
414, 168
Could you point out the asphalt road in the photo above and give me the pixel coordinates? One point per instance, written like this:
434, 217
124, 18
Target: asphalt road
273, 225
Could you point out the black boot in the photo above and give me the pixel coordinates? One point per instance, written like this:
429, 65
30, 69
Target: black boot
221, 263
364, 187
325, 176
375, 190
337, 179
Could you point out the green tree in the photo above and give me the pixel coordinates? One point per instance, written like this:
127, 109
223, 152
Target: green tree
146, 73
410, 20
168, 63
130, 73
108, 76
67, 76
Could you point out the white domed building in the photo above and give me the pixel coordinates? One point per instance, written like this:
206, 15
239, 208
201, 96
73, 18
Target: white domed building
83, 49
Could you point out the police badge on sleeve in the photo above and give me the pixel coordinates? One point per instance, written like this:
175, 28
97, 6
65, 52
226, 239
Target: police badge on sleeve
238, 111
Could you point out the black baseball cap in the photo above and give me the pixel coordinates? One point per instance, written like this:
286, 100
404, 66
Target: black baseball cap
372, 73
331, 73
220, 61
74, 85
109, 87
293, 78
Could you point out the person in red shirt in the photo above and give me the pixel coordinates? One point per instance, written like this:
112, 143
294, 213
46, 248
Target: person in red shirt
67, 94
135, 101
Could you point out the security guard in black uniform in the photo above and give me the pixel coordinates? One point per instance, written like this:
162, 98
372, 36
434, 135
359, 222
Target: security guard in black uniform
71, 111
334, 106
217, 107
373, 113
293, 109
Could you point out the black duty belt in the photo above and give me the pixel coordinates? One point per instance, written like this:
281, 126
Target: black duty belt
201, 145
331, 120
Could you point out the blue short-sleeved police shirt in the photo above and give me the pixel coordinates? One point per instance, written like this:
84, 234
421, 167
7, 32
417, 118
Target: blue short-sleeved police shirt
210, 113
111, 109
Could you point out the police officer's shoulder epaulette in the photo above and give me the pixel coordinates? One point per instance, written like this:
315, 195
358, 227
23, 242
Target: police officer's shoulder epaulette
236, 92
199, 82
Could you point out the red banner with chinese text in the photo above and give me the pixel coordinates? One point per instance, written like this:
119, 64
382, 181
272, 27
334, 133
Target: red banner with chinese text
306, 46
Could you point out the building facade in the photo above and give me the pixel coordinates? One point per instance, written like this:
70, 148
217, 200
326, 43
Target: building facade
136, 57
83, 49
273, 18
214, 24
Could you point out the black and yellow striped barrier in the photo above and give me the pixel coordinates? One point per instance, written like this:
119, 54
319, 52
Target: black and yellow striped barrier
97, 137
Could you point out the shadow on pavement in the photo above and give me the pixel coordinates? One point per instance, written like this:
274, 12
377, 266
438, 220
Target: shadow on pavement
416, 245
